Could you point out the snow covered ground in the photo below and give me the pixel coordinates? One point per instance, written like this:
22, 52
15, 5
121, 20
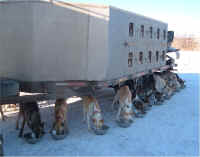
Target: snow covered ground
171, 129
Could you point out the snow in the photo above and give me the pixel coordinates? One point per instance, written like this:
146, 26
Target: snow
170, 129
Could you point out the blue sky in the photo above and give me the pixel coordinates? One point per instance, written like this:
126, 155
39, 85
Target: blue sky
183, 16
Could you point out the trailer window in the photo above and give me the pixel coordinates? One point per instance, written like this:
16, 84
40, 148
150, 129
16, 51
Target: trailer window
158, 33
150, 54
131, 29
164, 34
157, 56
141, 57
163, 55
142, 30
151, 32
130, 59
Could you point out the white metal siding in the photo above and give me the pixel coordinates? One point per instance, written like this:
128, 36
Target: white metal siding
119, 34
44, 41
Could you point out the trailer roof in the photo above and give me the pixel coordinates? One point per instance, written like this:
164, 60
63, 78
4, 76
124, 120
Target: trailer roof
90, 5
145, 17
99, 6
92, 8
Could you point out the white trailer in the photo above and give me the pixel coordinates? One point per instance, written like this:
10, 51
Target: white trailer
45, 45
